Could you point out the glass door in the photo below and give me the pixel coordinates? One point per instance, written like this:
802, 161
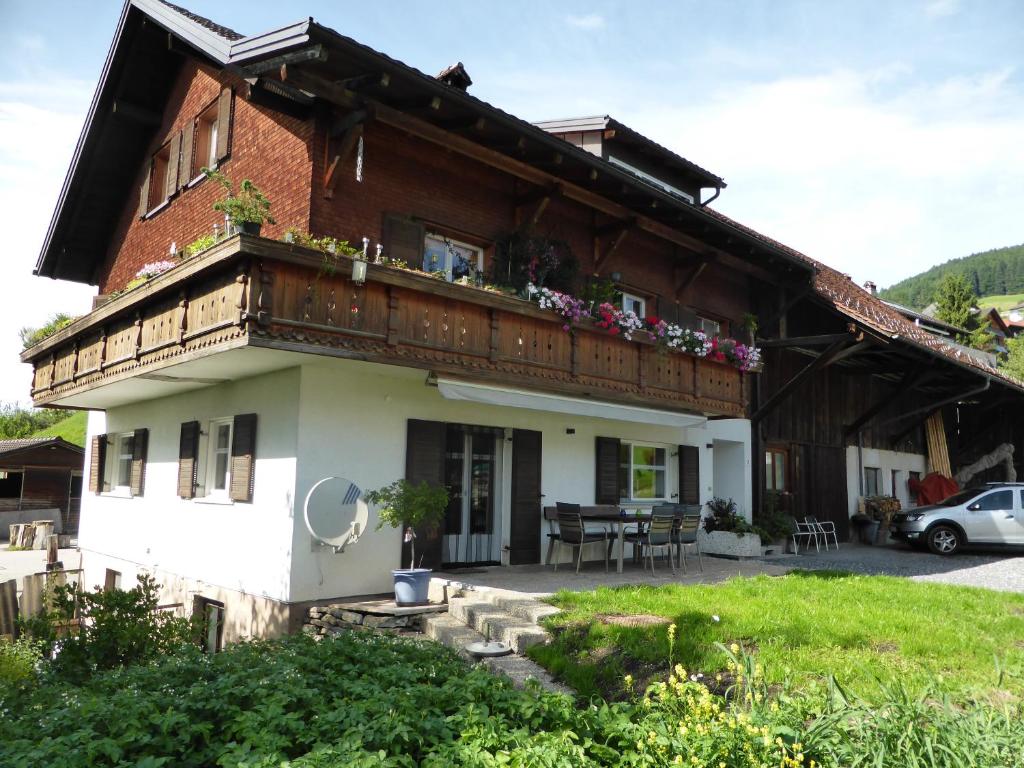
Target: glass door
472, 530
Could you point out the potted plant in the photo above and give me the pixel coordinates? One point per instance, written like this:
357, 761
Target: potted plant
725, 532
247, 209
403, 504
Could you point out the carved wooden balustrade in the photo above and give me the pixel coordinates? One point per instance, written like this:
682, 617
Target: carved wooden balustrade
260, 293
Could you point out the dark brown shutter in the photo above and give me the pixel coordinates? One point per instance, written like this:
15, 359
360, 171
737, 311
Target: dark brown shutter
97, 461
144, 191
687, 318
243, 456
188, 456
524, 536
173, 164
141, 446
607, 452
403, 239
185, 168
424, 462
689, 474
223, 124
668, 309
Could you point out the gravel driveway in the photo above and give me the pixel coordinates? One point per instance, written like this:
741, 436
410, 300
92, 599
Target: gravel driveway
1002, 570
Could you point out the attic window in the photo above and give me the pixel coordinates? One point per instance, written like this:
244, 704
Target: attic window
206, 140
158, 176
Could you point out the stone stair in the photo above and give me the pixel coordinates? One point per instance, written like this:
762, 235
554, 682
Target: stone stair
478, 614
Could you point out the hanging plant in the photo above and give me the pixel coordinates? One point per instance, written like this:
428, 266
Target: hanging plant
522, 259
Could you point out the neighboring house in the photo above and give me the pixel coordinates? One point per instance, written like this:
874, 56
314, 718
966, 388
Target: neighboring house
40, 475
225, 388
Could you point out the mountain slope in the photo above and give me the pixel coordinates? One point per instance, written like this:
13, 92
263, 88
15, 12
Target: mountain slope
990, 273
71, 428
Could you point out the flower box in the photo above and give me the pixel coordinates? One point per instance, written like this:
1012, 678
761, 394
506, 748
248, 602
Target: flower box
729, 544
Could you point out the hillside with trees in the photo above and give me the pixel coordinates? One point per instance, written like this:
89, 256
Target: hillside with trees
990, 273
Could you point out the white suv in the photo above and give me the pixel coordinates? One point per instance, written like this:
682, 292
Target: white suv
992, 514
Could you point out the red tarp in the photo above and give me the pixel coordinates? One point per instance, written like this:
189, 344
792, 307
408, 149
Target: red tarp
933, 488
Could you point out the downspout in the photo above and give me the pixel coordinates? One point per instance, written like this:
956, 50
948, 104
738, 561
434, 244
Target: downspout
860, 462
718, 191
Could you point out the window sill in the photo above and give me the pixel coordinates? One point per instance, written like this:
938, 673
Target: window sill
153, 212
118, 493
222, 501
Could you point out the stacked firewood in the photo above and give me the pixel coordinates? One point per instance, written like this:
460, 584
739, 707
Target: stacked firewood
34, 535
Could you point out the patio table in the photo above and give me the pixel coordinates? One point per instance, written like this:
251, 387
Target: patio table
604, 513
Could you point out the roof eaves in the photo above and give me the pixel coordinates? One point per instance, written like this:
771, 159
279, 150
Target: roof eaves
268, 43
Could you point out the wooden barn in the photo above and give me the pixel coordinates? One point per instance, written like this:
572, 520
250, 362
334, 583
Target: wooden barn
39, 474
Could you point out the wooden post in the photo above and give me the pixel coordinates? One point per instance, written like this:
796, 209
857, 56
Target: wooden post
9, 608
51, 549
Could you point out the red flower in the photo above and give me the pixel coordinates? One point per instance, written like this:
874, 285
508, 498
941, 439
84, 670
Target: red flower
614, 330
651, 320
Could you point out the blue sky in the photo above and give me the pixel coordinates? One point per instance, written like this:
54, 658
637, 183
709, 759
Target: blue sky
881, 138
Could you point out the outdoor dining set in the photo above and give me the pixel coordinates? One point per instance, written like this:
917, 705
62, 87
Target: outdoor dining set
667, 528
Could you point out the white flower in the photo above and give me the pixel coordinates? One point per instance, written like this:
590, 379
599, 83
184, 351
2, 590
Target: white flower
715, 618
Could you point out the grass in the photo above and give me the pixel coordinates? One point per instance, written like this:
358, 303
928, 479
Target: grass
71, 428
804, 627
1002, 303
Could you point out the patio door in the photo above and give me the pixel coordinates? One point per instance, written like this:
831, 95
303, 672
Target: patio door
472, 472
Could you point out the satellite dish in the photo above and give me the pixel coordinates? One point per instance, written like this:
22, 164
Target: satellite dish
336, 512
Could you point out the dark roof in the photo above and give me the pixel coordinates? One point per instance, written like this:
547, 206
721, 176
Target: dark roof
456, 76
627, 135
9, 447
222, 31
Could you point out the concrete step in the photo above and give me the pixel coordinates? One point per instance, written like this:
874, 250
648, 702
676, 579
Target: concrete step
452, 632
495, 623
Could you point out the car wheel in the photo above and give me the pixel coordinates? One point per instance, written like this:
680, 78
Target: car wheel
943, 540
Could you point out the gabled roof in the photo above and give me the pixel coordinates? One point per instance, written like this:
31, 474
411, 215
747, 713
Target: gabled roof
625, 134
9, 448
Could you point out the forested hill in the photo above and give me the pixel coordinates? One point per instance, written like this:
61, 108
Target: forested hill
991, 273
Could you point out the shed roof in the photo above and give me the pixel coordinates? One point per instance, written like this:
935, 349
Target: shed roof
11, 447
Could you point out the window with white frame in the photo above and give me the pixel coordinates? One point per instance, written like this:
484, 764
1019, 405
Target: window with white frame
635, 304
456, 259
709, 326
124, 451
218, 466
872, 481
643, 472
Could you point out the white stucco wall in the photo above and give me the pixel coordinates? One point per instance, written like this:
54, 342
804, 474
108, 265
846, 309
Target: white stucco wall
352, 422
235, 546
886, 461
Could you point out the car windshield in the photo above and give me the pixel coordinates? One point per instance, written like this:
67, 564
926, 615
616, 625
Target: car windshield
960, 498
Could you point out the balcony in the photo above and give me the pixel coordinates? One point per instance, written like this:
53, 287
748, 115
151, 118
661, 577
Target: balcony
253, 293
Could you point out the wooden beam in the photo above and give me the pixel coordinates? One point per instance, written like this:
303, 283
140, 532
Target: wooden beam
348, 143
922, 413
822, 361
135, 113
683, 285
787, 305
376, 79
315, 53
910, 379
343, 124
601, 257
277, 88
425, 130
804, 341
862, 345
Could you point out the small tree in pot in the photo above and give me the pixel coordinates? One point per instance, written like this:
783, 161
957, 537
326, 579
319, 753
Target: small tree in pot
403, 504
248, 209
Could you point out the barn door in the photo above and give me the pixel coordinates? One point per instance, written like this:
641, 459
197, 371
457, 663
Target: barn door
524, 539
827, 495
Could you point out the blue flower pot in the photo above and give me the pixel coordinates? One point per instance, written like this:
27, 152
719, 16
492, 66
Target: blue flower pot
412, 586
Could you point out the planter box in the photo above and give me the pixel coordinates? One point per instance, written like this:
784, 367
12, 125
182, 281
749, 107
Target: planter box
729, 544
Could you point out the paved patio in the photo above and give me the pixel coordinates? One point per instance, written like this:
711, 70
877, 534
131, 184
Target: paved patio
16, 565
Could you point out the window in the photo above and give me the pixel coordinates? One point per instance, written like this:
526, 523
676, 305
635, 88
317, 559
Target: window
709, 326
642, 471
209, 615
205, 148
218, 472
111, 580
993, 502
775, 466
10, 484
121, 459
457, 260
635, 304
872, 481
158, 176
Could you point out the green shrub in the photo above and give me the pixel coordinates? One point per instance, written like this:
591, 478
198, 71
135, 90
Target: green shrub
18, 660
32, 336
116, 628
199, 245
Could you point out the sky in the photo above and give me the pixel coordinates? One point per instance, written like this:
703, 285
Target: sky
880, 138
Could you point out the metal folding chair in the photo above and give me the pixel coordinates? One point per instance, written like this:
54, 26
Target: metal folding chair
826, 528
804, 530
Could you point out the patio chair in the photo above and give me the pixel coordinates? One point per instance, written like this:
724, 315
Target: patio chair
804, 530
657, 534
825, 528
684, 533
573, 534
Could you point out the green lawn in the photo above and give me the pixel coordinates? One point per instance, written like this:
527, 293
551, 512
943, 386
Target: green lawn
804, 627
1002, 303
71, 428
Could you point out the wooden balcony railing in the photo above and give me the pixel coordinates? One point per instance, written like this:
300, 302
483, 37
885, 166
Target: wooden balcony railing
261, 293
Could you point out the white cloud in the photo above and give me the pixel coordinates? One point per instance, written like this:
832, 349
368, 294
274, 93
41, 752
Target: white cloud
941, 8
36, 143
589, 21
